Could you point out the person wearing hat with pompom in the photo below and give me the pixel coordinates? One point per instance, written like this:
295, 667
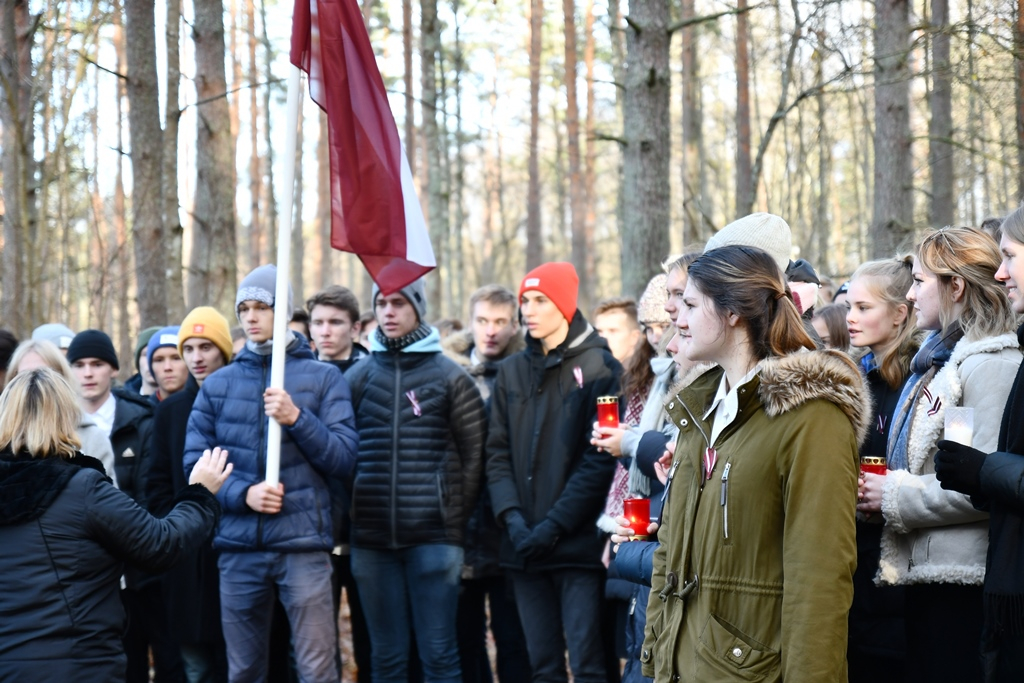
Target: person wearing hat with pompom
191, 588
274, 538
547, 482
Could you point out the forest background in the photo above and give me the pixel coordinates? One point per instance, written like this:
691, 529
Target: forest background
141, 169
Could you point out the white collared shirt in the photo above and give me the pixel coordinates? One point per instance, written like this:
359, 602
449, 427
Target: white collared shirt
104, 417
726, 403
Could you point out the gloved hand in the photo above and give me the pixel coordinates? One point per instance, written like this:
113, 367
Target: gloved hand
515, 524
541, 542
958, 467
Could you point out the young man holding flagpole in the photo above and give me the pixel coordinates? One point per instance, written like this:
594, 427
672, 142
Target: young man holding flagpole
275, 536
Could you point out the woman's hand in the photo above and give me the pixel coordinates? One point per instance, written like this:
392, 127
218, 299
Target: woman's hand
869, 492
212, 470
664, 463
607, 439
624, 534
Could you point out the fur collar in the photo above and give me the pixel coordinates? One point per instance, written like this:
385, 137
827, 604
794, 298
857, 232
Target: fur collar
946, 389
458, 347
791, 380
29, 486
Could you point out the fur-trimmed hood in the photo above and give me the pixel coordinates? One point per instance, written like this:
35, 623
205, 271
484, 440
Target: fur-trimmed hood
791, 380
458, 346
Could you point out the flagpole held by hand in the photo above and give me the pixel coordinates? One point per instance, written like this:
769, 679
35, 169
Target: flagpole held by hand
284, 248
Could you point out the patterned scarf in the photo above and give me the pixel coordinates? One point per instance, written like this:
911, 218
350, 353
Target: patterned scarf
934, 353
400, 343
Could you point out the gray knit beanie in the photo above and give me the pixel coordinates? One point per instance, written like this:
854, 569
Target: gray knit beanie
260, 285
415, 292
764, 231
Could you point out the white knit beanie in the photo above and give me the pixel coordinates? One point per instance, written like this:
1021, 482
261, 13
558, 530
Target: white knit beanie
764, 231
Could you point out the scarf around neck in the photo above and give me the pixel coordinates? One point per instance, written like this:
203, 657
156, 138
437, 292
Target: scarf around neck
399, 343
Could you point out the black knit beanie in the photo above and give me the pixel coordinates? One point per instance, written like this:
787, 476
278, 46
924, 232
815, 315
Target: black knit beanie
93, 344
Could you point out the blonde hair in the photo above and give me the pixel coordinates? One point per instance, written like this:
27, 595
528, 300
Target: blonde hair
1013, 225
889, 280
973, 256
48, 353
39, 415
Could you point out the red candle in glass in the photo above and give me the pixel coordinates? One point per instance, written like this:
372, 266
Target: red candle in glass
873, 464
638, 512
608, 411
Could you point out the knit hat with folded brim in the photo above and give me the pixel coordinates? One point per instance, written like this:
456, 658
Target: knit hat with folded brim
260, 285
651, 309
764, 231
558, 281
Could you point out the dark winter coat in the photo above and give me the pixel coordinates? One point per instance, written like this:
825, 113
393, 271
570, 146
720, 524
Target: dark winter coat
877, 645
66, 532
359, 353
483, 536
192, 588
229, 412
130, 437
634, 562
1002, 495
421, 432
540, 459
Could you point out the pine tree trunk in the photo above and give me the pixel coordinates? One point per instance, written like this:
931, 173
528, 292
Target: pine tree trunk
892, 223
270, 200
590, 155
577, 192
437, 206
172, 219
646, 130
212, 263
410, 102
534, 239
151, 248
744, 187
940, 127
695, 224
124, 262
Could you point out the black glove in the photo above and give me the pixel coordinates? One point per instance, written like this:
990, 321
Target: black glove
541, 542
515, 524
958, 467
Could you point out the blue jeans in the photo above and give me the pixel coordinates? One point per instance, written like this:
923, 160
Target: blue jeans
560, 609
416, 586
303, 582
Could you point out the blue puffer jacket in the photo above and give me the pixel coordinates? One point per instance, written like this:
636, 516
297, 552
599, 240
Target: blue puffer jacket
322, 444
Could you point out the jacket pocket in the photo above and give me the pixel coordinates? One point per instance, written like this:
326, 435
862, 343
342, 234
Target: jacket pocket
724, 499
725, 651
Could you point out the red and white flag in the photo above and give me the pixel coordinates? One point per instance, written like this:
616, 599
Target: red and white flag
375, 213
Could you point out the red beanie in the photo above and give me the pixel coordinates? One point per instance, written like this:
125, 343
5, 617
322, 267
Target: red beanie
557, 281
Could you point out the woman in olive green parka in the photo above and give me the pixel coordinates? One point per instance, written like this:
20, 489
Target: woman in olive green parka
753, 580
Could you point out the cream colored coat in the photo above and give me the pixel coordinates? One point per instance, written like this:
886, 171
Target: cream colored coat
933, 535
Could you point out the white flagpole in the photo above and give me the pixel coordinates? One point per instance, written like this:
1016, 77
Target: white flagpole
284, 250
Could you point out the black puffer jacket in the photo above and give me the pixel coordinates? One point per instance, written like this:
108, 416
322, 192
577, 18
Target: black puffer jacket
130, 436
421, 425
66, 532
539, 457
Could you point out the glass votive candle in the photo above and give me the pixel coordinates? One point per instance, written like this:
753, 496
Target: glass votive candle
873, 464
608, 411
959, 425
638, 512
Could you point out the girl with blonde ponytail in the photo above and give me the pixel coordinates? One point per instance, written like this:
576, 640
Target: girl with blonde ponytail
754, 575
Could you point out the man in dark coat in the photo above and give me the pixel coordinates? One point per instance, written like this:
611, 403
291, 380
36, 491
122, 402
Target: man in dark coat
494, 335
192, 588
548, 484
421, 432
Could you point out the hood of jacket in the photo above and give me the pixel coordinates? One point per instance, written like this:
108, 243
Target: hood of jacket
791, 380
459, 347
581, 336
29, 486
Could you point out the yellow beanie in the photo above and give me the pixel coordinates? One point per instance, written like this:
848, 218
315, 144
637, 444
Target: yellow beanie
207, 323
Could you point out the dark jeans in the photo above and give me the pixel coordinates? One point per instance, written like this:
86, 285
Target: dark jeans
413, 588
560, 608
943, 633
149, 627
343, 578
513, 662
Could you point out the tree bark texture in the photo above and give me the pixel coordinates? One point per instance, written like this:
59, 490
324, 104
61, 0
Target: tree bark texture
940, 127
212, 271
534, 237
437, 205
892, 223
646, 130
577, 192
744, 179
152, 254
590, 155
172, 219
410, 102
323, 206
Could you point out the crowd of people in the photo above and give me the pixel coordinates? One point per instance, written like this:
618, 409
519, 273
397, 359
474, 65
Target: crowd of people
809, 520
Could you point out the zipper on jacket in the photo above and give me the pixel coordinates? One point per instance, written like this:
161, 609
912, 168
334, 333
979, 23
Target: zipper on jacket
261, 457
394, 451
725, 498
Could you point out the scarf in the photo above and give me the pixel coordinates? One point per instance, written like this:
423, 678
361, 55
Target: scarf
933, 354
264, 348
399, 343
